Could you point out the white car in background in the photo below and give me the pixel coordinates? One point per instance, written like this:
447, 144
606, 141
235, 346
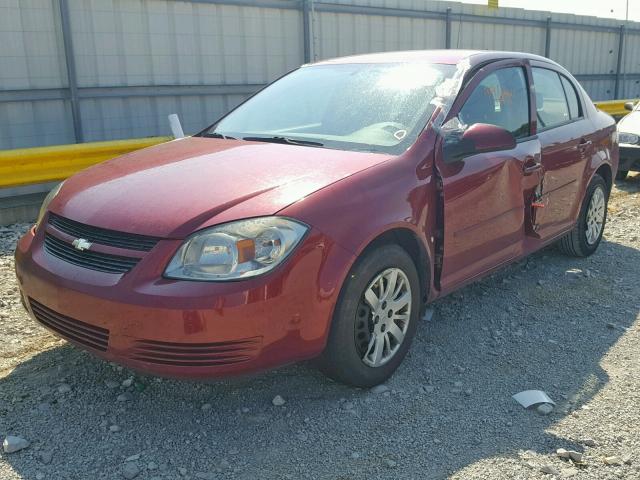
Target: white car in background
629, 141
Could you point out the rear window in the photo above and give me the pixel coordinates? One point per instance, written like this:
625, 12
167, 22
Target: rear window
551, 103
572, 98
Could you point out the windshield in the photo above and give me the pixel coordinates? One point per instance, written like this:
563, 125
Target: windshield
372, 107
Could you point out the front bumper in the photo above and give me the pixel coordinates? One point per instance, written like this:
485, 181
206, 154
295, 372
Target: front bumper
629, 158
187, 328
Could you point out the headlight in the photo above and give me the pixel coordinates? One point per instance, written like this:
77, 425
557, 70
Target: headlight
236, 250
630, 138
47, 200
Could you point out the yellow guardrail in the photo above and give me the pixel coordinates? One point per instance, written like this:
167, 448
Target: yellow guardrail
26, 166
615, 108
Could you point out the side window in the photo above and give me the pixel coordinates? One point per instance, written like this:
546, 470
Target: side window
551, 103
572, 97
500, 99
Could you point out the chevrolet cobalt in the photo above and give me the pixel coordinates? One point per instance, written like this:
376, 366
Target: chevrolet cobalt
319, 218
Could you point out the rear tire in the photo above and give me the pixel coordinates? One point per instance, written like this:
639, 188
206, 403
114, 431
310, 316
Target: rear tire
584, 239
622, 174
372, 311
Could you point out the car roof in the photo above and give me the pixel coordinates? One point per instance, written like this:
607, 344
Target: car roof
451, 57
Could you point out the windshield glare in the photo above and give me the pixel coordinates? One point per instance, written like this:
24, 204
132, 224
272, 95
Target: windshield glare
372, 107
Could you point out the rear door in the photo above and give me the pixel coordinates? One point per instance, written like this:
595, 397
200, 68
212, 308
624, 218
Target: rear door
485, 194
565, 135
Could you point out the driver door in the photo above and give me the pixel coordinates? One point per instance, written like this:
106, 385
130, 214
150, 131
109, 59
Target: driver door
485, 194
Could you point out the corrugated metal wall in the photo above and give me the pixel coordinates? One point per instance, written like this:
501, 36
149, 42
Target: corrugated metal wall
155, 42
133, 62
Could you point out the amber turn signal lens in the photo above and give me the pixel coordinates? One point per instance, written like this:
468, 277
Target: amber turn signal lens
246, 250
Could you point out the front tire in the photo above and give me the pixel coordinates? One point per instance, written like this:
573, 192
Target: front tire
375, 318
585, 237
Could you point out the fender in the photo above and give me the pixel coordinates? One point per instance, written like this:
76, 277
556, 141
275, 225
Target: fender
365, 194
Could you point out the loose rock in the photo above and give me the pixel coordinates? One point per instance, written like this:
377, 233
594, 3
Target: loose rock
64, 388
569, 454
125, 397
549, 470
130, 470
379, 388
128, 382
568, 472
46, 456
389, 463
544, 408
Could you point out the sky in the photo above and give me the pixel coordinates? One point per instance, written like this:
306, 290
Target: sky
597, 8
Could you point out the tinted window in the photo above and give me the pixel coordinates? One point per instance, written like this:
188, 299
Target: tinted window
500, 99
551, 103
572, 97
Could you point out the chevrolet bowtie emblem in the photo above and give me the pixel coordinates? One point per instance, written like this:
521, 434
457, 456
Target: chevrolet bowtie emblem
81, 244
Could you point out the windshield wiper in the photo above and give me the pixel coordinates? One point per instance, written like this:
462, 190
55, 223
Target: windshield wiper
285, 140
219, 135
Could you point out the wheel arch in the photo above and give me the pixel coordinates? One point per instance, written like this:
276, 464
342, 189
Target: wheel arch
605, 172
407, 239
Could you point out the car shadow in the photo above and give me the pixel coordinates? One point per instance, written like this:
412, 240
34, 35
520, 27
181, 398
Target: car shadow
631, 184
543, 323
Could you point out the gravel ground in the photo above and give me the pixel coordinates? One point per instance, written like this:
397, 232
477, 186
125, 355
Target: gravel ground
567, 326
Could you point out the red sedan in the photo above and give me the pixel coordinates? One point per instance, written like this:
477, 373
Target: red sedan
318, 218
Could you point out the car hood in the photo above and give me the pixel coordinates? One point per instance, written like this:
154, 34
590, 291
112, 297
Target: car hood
630, 123
175, 188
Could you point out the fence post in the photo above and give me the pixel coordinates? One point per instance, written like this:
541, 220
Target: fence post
72, 78
306, 30
447, 30
616, 90
547, 39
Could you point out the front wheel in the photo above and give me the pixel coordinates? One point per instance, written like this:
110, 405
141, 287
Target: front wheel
375, 318
585, 237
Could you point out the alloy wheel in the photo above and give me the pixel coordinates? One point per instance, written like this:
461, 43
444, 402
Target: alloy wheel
595, 215
383, 317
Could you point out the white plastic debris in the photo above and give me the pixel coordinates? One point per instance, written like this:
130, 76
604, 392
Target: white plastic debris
13, 444
176, 127
532, 397
428, 314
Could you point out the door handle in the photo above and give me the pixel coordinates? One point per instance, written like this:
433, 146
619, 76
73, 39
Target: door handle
584, 144
531, 165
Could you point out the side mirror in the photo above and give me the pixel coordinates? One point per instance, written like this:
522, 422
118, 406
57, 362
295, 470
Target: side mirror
628, 106
478, 138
